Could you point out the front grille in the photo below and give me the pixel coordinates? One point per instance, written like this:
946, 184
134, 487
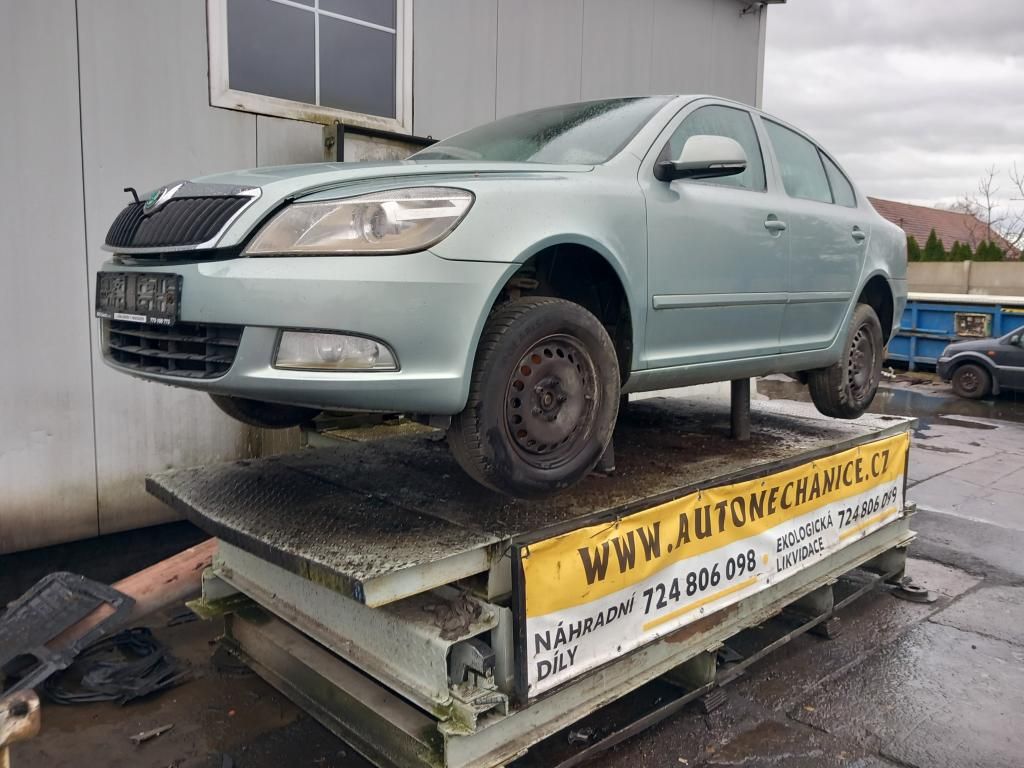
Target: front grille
189, 350
182, 221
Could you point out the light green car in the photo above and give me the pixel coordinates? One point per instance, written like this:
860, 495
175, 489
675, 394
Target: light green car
513, 281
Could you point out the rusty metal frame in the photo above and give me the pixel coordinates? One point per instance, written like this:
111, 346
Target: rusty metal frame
322, 683
399, 644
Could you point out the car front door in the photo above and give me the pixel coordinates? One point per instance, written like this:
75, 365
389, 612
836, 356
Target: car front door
717, 253
1009, 356
828, 237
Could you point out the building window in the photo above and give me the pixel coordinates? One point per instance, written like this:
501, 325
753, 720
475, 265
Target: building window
318, 60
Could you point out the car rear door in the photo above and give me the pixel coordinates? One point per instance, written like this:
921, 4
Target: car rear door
828, 232
717, 256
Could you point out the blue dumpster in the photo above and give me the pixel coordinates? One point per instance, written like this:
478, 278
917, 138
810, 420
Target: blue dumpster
932, 320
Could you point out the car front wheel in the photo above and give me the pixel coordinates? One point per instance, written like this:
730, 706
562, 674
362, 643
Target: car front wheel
971, 381
543, 398
845, 389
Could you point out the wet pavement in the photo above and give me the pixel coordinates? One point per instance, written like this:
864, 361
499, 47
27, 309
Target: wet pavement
903, 684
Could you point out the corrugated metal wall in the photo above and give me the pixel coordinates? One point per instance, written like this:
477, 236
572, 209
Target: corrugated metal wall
104, 94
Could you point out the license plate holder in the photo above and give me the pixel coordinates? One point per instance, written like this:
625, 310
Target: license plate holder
151, 298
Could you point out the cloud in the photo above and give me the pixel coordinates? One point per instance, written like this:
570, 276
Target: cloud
916, 98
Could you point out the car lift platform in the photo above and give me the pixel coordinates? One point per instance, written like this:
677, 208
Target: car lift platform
430, 622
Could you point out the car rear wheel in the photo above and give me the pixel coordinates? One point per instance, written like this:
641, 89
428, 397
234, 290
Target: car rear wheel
845, 389
257, 413
971, 381
543, 398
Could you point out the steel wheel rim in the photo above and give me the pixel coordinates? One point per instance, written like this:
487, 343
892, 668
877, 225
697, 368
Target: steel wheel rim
969, 380
860, 369
551, 400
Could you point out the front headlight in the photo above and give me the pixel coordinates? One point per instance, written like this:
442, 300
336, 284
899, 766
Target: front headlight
396, 221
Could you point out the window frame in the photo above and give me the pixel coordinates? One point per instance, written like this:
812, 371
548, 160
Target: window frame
222, 95
715, 182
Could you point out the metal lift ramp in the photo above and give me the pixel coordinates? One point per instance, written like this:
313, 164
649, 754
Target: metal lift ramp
427, 621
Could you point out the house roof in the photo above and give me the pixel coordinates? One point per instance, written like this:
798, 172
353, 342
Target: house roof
949, 226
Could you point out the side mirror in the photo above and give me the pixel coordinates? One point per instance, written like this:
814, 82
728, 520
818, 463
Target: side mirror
704, 157
1015, 339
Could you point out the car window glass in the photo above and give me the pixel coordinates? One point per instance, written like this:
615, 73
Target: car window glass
715, 120
842, 190
803, 175
591, 132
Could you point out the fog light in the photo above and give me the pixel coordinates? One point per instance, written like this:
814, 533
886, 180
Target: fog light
332, 352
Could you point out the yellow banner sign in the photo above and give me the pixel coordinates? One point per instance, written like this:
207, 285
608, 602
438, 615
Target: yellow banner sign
598, 591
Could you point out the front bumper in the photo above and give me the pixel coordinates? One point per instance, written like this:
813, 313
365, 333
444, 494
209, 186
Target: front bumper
942, 367
429, 310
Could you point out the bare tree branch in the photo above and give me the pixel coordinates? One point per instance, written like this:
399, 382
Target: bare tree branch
1014, 230
991, 218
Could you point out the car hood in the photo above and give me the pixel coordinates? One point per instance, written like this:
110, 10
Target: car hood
280, 184
973, 345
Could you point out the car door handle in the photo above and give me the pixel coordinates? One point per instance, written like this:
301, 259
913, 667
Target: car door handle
858, 234
773, 225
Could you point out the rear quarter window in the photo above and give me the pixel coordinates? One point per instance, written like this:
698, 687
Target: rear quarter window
842, 190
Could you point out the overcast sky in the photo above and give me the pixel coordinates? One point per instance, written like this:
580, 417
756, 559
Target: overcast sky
916, 98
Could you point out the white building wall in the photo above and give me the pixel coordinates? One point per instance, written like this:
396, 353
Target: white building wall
47, 459
146, 120
104, 94
475, 60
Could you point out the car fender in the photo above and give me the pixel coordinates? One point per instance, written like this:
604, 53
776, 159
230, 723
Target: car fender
602, 250
976, 357
513, 220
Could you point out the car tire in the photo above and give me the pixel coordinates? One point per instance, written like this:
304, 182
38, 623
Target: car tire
257, 413
845, 389
971, 381
543, 398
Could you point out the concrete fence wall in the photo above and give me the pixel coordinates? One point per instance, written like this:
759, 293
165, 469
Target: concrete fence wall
984, 278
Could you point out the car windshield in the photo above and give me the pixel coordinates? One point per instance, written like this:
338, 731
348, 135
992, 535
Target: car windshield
590, 132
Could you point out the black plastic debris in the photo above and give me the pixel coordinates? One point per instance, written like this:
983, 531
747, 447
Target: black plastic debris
53, 605
126, 666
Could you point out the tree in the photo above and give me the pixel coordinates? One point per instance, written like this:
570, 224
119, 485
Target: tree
992, 213
913, 249
960, 252
988, 251
933, 249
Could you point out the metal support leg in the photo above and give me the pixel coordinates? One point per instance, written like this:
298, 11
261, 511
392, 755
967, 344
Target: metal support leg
820, 602
739, 409
606, 465
699, 673
694, 673
891, 563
